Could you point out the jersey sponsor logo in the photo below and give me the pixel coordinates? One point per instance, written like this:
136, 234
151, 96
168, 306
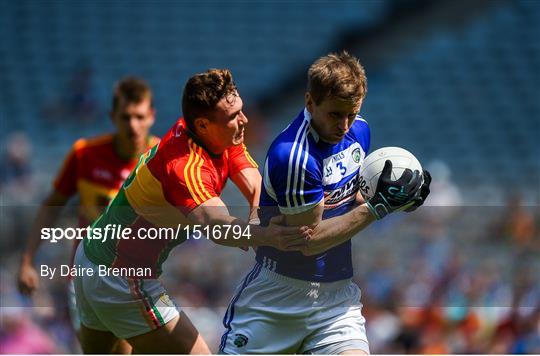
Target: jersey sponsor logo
240, 340
337, 195
338, 157
342, 164
364, 187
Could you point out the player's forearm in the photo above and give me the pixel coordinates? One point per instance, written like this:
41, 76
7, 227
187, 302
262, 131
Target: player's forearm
249, 182
335, 231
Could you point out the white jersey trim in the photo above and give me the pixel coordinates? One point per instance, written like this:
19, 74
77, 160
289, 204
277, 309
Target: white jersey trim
294, 163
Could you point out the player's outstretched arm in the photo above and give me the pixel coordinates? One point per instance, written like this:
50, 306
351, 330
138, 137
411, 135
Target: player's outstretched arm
214, 212
47, 216
335, 231
390, 196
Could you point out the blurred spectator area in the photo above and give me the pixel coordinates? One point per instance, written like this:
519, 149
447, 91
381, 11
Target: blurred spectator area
450, 80
60, 58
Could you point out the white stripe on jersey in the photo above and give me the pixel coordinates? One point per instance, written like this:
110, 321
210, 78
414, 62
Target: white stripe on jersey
301, 129
360, 118
302, 181
301, 150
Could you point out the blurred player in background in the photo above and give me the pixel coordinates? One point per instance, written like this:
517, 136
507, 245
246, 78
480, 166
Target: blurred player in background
305, 302
178, 181
95, 169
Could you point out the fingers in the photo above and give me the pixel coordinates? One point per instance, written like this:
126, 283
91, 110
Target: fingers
295, 244
387, 170
406, 176
306, 231
415, 182
424, 192
294, 231
293, 238
27, 280
427, 177
415, 177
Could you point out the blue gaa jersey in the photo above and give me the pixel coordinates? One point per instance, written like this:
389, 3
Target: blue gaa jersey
301, 171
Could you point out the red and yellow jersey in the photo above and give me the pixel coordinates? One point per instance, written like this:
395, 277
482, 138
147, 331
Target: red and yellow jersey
94, 170
170, 180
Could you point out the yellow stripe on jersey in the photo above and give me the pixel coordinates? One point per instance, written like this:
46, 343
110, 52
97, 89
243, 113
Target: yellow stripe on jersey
248, 156
145, 195
93, 197
192, 176
91, 193
200, 181
187, 173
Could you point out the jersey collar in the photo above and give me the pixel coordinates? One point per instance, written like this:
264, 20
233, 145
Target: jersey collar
314, 134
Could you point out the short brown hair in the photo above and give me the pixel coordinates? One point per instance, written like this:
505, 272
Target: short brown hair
337, 76
203, 91
130, 90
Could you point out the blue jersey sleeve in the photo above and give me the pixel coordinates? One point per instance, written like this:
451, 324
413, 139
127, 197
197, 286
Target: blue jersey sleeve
293, 177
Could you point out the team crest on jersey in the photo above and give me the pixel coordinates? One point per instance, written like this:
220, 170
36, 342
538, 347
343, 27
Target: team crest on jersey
356, 155
240, 340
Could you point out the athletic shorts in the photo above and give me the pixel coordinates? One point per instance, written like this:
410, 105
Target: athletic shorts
127, 307
271, 313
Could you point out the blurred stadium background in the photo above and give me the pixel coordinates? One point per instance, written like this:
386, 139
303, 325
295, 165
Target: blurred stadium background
455, 82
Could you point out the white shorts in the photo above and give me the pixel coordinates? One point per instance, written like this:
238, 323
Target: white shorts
271, 313
127, 307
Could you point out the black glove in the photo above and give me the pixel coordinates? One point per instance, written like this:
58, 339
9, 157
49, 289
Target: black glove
424, 192
394, 195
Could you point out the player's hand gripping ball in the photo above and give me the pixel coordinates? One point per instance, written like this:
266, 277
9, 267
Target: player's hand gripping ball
390, 180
